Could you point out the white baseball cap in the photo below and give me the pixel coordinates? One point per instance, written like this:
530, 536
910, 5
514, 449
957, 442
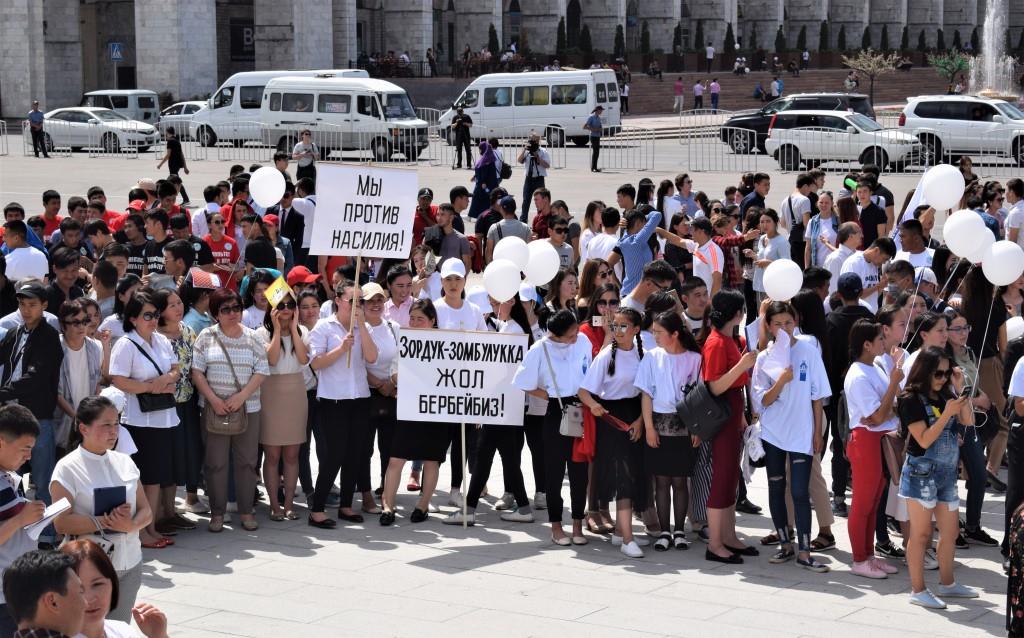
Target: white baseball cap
925, 275
453, 266
527, 293
478, 296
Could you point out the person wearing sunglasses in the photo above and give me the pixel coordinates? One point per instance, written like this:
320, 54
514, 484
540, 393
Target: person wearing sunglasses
558, 236
80, 369
932, 409
225, 252
657, 276
283, 420
383, 391
306, 153
229, 364
144, 363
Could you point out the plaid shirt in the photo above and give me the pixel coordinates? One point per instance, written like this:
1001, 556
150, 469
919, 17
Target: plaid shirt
38, 633
732, 269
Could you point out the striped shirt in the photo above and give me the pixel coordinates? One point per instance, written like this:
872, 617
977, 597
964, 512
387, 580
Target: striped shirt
245, 353
636, 253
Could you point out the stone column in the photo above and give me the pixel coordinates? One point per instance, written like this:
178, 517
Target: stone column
540, 22
804, 14
891, 13
293, 34
661, 17
22, 74
62, 44
763, 16
924, 15
344, 19
962, 16
473, 20
851, 15
601, 17
716, 16
176, 46
409, 26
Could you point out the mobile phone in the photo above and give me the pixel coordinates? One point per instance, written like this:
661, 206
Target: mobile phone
431, 264
968, 391
597, 320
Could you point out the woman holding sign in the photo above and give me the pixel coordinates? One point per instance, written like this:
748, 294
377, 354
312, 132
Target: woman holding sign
383, 391
105, 493
420, 440
553, 370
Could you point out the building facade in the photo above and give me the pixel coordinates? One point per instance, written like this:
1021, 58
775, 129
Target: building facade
54, 50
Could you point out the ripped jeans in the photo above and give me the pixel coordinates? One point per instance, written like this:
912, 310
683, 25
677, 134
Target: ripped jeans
800, 478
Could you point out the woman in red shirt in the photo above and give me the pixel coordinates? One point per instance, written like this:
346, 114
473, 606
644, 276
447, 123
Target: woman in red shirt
225, 253
725, 370
597, 314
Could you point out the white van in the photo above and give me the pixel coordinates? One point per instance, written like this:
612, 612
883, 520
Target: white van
232, 113
555, 104
135, 104
342, 114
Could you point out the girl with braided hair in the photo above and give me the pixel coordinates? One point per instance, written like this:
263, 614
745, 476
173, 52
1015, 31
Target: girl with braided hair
609, 393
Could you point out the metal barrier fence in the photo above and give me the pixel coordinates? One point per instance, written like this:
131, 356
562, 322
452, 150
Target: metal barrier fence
701, 121
428, 115
631, 148
4, 150
511, 141
103, 139
59, 138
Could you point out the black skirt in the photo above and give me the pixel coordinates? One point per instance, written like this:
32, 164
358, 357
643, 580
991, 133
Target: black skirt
619, 463
674, 456
420, 441
155, 457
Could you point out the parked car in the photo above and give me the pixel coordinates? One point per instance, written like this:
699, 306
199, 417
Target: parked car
745, 130
951, 125
135, 104
179, 116
80, 127
812, 138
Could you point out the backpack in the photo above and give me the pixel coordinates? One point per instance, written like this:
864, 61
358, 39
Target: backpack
506, 170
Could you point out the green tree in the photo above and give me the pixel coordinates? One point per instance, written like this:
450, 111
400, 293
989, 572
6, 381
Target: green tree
560, 37
871, 64
645, 38
940, 41
975, 41
957, 44
801, 39
823, 39
905, 40
677, 39
729, 45
698, 38
586, 46
841, 43
492, 41
865, 39
780, 40
950, 64
922, 41
884, 44
620, 42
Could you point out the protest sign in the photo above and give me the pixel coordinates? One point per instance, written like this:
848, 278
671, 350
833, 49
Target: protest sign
364, 211
277, 291
459, 377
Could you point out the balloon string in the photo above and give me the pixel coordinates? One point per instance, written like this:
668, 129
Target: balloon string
911, 317
984, 337
938, 297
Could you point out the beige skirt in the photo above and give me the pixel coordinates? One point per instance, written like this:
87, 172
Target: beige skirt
283, 410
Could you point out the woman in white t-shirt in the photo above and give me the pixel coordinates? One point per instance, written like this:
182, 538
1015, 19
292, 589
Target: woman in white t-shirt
789, 383
664, 377
108, 504
553, 370
254, 302
930, 330
771, 246
81, 369
383, 390
283, 418
614, 400
103, 591
870, 400
454, 311
821, 233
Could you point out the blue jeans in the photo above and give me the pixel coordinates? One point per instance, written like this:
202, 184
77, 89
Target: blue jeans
44, 459
800, 476
972, 453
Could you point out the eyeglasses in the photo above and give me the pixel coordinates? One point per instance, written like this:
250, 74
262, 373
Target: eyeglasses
619, 328
661, 287
559, 231
349, 300
716, 210
603, 274
230, 310
943, 373
76, 323
149, 316
216, 223
959, 329
735, 216
608, 302
290, 305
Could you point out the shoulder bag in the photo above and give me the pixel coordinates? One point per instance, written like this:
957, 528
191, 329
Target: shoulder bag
506, 171
701, 411
99, 537
232, 423
149, 401
572, 413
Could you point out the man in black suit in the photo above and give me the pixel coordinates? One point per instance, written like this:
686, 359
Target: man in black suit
293, 224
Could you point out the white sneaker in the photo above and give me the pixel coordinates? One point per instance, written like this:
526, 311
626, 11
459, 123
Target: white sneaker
956, 590
926, 599
540, 501
455, 498
199, 507
631, 549
641, 542
515, 516
506, 502
930, 562
227, 518
456, 518
433, 509
232, 506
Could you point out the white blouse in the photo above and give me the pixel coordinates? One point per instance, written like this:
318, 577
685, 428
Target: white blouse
288, 362
127, 361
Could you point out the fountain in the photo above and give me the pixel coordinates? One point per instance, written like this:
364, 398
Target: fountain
992, 69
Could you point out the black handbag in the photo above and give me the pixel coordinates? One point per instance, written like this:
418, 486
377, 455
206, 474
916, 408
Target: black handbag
149, 401
701, 411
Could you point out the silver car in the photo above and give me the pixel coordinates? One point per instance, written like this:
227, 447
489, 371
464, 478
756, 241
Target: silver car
179, 116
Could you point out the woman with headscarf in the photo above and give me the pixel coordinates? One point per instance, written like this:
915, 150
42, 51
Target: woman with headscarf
486, 177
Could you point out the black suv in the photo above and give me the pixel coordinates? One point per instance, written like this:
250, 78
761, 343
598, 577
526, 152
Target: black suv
743, 130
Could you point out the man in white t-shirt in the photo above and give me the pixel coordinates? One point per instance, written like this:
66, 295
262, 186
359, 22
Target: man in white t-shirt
694, 295
657, 277
22, 260
795, 210
601, 245
914, 249
867, 264
1015, 218
709, 55
848, 239
708, 259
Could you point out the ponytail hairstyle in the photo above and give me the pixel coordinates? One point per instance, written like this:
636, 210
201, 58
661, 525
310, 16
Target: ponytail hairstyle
560, 322
518, 315
862, 331
656, 304
89, 409
724, 306
636, 319
673, 322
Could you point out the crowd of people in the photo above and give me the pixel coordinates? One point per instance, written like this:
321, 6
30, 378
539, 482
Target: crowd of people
141, 355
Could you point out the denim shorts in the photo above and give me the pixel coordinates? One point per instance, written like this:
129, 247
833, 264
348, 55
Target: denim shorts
930, 482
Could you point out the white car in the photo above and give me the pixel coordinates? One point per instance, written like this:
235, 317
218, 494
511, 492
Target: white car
812, 138
950, 125
179, 116
81, 127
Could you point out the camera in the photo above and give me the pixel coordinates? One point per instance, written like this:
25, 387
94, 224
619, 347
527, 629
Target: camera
532, 146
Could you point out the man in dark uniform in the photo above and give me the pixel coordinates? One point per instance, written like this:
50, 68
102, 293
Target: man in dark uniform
460, 128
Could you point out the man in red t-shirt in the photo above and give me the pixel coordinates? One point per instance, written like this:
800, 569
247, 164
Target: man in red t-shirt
51, 206
425, 215
542, 200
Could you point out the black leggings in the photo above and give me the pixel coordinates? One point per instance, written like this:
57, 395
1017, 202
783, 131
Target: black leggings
671, 495
314, 437
1014, 478
507, 440
382, 421
345, 426
533, 427
558, 458
455, 452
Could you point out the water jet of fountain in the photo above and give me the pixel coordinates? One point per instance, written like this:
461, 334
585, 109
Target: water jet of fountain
992, 71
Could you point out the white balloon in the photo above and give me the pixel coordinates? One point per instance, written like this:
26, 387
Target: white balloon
979, 253
513, 249
782, 279
501, 279
266, 186
1014, 328
543, 263
943, 186
964, 233
1003, 263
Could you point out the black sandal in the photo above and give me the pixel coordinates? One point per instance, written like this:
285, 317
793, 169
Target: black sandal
823, 542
